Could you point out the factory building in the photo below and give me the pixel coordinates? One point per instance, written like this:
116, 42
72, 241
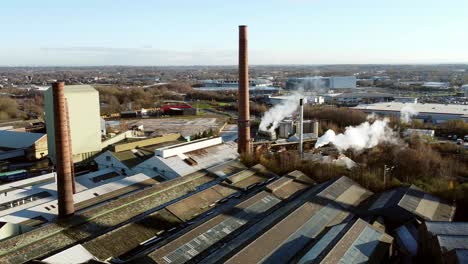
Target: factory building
443, 242
312, 99
431, 113
402, 204
84, 120
168, 158
354, 99
321, 83
436, 85
31, 146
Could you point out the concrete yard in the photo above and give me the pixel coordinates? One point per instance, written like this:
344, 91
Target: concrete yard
184, 126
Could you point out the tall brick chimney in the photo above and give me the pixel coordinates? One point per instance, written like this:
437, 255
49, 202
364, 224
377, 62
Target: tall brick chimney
63, 152
243, 144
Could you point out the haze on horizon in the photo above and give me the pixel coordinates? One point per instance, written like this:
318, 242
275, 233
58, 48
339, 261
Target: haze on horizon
146, 33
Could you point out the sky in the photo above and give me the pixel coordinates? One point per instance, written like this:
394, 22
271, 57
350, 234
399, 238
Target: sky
176, 32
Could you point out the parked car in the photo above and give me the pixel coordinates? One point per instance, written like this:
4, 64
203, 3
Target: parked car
459, 141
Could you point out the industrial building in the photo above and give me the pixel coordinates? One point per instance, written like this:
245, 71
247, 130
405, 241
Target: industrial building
84, 120
255, 86
161, 200
31, 146
225, 214
310, 99
402, 204
432, 113
354, 99
443, 242
436, 85
321, 83
166, 159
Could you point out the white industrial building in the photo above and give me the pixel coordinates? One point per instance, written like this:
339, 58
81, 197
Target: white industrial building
321, 83
84, 119
353, 99
170, 161
433, 113
436, 85
310, 99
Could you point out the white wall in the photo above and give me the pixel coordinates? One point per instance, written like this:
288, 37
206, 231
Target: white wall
187, 147
85, 120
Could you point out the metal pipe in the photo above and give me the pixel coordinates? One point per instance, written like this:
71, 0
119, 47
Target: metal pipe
243, 144
62, 152
301, 125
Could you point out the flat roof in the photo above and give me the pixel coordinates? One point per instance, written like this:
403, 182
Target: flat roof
453, 109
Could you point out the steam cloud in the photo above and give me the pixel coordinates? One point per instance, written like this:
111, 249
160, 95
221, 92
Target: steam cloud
406, 113
273, 117
364, 136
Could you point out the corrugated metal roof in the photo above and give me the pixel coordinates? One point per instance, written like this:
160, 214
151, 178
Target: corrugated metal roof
204, 240
16, 140
447, 228
407, 239
363, 247
359, 244
345, 191
448, 242
415, 201
323, 244
302, 236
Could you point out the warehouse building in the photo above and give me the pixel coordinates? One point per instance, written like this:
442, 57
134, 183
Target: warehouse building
321, 83
443, 242
170, 160
403, 204
352, 242
84, 118
354, 99
13, 144
432, 113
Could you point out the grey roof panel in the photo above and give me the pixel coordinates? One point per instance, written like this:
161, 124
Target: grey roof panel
447, 228
362, 248
16, 140
452, 242
322, 244
203, 241
299, 239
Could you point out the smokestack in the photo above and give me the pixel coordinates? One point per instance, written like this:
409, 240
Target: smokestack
63, 152
301, 125
243, 144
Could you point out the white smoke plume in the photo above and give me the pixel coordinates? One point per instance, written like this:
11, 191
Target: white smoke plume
274, 115
364, 136
406, 113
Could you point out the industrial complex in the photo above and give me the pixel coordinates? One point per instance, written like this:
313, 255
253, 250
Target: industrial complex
178, 189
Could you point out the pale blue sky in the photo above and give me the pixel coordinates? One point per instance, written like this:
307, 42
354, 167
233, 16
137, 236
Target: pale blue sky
171, 32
